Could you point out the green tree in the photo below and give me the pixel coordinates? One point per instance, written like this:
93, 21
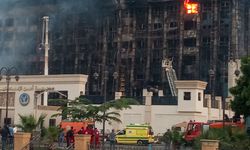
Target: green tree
229, 137
28, 123
241, 102
51, 135
174, 138
81, 109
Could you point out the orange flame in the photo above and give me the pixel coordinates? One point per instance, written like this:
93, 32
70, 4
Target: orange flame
191, 7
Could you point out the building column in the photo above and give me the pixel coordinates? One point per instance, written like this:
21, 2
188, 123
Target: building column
45, 99
148, 103
118, 95
82, 141
208, 98
117, 125
219, 99
209, 144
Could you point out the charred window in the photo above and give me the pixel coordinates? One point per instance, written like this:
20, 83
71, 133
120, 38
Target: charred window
157, 26
9, 36
189, 25
224, 41
157, 43
140, 44
9, 22
190, 42
172, 24
206, 41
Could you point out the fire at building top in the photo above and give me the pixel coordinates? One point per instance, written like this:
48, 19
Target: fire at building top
191, 7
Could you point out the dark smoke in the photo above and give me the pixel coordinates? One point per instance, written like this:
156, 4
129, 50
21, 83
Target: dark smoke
21, 24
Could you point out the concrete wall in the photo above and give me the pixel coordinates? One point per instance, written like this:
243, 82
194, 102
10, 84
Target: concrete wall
163, 117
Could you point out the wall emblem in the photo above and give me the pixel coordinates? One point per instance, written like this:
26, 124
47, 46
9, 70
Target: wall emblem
24, 99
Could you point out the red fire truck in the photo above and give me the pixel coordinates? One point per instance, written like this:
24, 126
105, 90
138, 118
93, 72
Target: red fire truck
195, 129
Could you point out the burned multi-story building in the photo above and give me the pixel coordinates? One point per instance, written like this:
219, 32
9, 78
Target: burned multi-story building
123, 42
200, 36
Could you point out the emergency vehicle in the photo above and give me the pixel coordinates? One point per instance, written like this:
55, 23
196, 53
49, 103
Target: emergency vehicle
195, 129
135, 134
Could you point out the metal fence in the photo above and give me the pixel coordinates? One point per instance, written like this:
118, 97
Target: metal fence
130, 147
164, 100
139, 147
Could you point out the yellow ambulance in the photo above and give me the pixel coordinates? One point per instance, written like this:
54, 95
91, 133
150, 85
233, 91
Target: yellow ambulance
135, 134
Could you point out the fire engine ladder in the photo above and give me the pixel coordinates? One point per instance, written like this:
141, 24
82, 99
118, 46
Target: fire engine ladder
171, 75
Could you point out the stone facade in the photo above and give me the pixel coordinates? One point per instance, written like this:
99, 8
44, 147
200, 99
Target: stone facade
29, 95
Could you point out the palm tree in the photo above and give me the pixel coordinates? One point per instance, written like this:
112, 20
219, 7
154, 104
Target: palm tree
51, 136
82, 109
29, 123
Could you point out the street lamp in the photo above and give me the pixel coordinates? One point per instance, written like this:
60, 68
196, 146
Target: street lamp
105, 79
223, 95
8, 72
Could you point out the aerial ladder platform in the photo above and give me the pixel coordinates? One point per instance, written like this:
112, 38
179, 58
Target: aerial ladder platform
170, 74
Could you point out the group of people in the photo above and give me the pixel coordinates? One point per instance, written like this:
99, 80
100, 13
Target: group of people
70, 140
7, 133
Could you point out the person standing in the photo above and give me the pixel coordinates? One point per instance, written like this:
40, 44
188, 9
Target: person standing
167, 139
96, 136
14, 129
81, 131
70, 137
112, 136
61, 138
11, 137
5, 133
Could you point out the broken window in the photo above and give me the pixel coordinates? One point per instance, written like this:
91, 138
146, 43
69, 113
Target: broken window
189, 25
157, 11
141, 26
125, 45
206, 41
140, 44
157, 43
173, 24
125, 14
224, 41
190, 42
172, 43
9, 22
157, 26
9, 36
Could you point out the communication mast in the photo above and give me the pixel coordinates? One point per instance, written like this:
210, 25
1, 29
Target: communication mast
45, 43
